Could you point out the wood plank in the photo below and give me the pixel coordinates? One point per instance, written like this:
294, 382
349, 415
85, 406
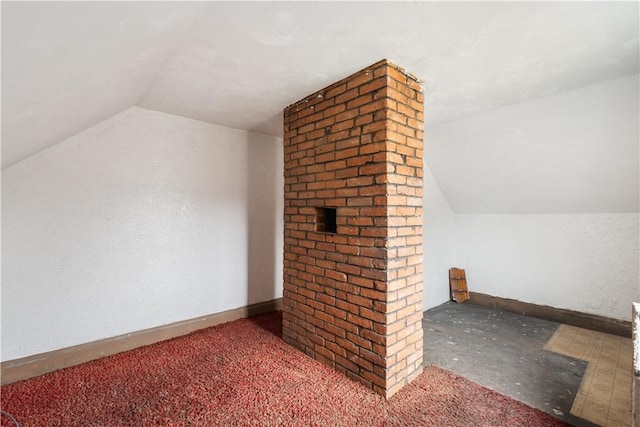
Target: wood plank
458, 285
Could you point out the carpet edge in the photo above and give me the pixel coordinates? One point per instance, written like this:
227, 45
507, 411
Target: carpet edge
38, 364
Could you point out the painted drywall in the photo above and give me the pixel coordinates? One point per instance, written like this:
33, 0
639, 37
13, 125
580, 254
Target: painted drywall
574, 152
438, 243
582, 262
142, 220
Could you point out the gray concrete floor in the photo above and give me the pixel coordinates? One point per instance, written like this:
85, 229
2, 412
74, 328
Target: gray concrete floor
504, 352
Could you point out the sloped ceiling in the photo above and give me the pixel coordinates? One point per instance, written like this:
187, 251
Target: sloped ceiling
69, 65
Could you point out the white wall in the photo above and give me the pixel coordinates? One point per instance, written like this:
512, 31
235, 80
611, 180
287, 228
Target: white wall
582, 262
142, 220
544, 197
438, 243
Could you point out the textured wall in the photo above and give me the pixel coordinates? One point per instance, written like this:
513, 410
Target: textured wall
438, 243
582, 262
142, 220
353, 298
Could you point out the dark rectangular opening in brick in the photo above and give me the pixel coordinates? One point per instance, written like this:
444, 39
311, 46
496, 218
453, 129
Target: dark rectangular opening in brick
326, 220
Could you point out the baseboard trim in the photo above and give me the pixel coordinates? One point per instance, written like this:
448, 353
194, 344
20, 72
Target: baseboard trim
560, 315
38, 364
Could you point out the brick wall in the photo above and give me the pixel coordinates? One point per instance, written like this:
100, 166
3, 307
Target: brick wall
353, 298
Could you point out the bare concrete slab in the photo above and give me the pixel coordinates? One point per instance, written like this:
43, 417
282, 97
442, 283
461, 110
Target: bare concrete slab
505, 352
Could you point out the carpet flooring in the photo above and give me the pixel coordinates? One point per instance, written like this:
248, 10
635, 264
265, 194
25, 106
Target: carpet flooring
241, 374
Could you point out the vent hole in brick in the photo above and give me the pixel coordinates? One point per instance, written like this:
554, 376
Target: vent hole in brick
326, 220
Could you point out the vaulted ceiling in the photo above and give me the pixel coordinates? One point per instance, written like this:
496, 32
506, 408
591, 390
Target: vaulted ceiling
69, 65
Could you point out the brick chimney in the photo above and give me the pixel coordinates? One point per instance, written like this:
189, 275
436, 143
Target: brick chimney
353, 226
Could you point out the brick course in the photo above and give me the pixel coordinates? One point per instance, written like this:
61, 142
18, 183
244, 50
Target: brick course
353, 299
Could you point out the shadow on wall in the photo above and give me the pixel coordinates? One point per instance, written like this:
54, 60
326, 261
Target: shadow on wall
264, 219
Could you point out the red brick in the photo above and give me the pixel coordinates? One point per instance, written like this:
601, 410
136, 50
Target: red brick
360, 301
335, 91
358, 153
346, 96
375, 84
346, 115
360, 100
360, 181
379, 105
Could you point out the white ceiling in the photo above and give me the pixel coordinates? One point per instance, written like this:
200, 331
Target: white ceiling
573, 152
69, 65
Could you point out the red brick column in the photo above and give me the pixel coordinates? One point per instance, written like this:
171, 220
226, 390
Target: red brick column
353, 293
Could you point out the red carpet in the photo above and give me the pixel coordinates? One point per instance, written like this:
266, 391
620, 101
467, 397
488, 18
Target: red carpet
242, 373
